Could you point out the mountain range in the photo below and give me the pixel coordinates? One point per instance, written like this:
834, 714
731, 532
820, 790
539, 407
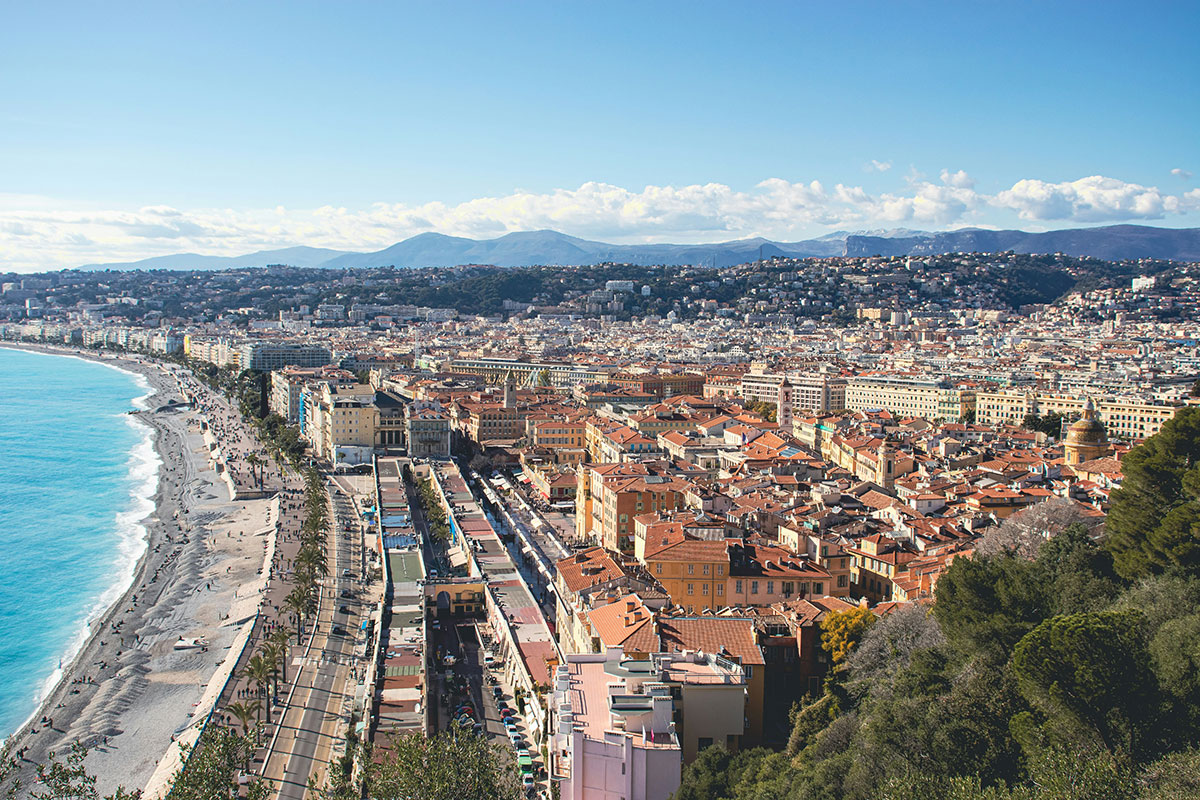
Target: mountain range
532, 248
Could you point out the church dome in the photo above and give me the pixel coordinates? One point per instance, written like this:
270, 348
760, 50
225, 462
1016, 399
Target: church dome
1086, 430
1086, 437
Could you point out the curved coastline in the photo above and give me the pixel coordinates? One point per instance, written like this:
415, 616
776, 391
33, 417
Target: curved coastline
125, 693
129, 526
133, 538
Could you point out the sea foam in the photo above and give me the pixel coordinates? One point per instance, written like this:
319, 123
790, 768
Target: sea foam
116, 545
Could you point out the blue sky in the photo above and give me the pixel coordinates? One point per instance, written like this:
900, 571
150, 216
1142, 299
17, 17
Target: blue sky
129, 130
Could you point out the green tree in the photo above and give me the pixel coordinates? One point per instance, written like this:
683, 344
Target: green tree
245, 713
256, 467
1176, 777
1050, 424
1088, 674
60, 779
1079, 573
214, 767
1175, 655
716, 773
297, 603
281, 638
989, 602
259, 670
841, 630
447, 766
1154, 522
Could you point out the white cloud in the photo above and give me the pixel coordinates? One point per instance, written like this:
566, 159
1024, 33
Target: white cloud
877, 166
1179, 172
959, 180
1093, 199
39, 233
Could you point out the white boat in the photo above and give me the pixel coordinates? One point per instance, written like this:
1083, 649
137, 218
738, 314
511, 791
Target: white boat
191, 644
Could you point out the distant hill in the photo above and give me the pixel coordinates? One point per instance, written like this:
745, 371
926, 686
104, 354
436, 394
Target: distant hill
530, 248
292, 256
1114, 243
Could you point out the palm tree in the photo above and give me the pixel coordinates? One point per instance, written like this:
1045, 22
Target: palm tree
282, 638
297, 603
254, 461
273, 653
245, 712
259, 670
313, 561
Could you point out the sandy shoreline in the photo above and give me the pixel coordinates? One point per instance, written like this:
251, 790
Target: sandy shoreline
129, 693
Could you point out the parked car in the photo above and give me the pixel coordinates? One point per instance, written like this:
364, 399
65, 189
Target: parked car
338, 630
527, 782
497, 692
514, 737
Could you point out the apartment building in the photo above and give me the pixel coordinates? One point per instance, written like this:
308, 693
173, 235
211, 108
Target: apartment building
557, 434
287, 385
810, 391
426, 430
1128, 419
909, 397
267, 356
619, 498
589, 579
341, 421
589, 513
661, 385
613, 729
531, 373
761, 574
693, 572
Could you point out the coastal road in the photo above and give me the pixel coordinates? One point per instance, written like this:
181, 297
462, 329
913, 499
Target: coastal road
317, 712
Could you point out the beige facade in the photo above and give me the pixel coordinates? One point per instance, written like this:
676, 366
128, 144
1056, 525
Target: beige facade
340, 416
427, 431
909, 397
810, 391
1123, 419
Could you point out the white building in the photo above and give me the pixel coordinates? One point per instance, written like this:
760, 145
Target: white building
613, 731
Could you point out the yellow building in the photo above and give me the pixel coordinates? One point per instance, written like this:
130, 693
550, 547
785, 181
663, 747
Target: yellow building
909, 397
693, 572
341, 416
1125, 419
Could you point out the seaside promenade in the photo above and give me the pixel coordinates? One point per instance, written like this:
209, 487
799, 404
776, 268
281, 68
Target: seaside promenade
139, 681
305, 718
171, 656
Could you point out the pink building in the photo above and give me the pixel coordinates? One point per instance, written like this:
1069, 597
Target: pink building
613, 723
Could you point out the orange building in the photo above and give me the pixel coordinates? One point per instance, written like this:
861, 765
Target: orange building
693, 572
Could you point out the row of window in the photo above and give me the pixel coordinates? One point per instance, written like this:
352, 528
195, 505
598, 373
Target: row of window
787, 588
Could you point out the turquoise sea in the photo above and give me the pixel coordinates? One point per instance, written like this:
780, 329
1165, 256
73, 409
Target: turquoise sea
77, 474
